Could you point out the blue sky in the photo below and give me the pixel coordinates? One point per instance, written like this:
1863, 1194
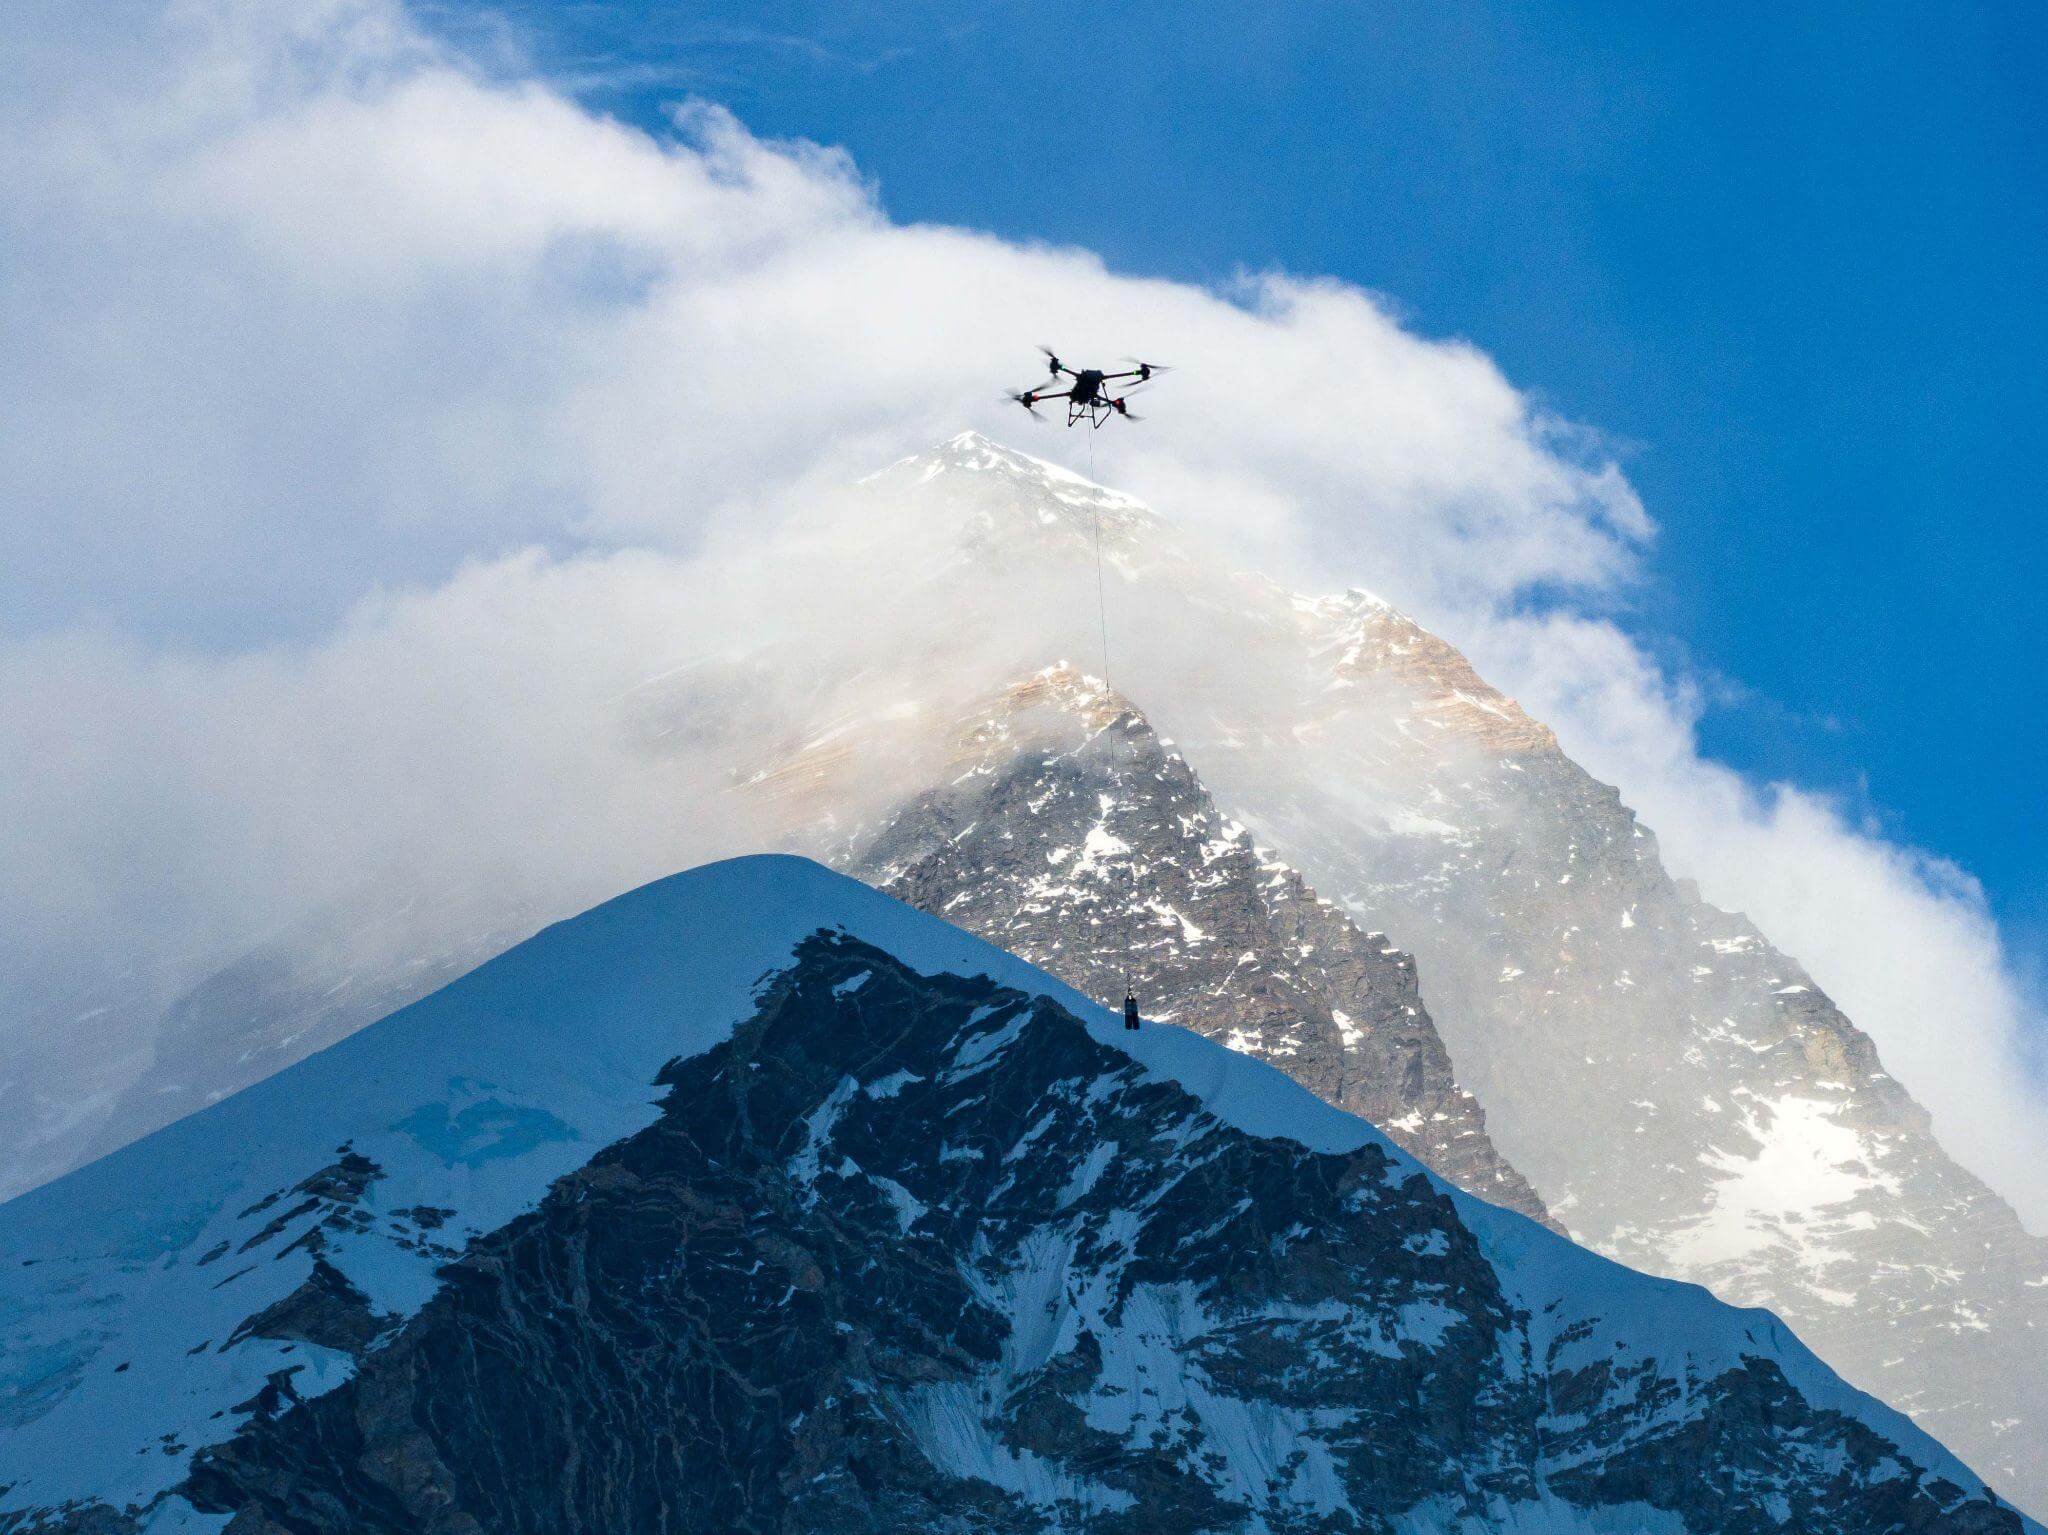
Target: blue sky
1793, 264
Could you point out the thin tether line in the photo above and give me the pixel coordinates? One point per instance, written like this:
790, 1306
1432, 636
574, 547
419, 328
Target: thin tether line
1102, 615
1101, 600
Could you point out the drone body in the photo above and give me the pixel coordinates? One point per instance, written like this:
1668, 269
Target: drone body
1089, 396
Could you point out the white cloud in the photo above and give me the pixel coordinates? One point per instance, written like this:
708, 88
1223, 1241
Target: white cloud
358, 313
307, 330
464, 737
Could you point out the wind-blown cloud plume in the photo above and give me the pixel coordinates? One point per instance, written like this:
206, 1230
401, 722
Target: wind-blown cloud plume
376, 420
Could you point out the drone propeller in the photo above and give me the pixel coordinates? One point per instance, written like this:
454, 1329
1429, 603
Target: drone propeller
1023, 397
1149, 367
1052, 358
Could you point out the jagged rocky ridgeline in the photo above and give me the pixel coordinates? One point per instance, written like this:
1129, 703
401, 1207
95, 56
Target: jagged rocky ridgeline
1676, 1092
756, 1200
1074, 837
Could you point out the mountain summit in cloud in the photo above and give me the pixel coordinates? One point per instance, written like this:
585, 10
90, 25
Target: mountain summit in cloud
1275, 780
1679, 1094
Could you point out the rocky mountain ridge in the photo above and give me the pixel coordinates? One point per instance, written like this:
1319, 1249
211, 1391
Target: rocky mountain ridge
1683, 1095
1079, 840
458, 1272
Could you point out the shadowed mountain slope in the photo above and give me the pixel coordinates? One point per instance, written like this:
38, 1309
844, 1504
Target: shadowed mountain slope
755, 1200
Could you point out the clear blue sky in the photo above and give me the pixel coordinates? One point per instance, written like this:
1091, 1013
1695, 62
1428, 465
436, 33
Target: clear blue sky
1792, 258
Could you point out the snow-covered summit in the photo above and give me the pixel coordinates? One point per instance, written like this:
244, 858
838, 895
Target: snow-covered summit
974, 453
915, 1228
123, 1284
1012, 500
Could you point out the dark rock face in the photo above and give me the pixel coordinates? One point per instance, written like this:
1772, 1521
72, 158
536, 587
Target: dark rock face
919, 1252
327, 1311
1078, 840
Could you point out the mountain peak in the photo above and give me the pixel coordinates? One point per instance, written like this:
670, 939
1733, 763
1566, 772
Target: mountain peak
977, 452
1064, 686
1010, 505
1362, 638
1012, 497
914, 1237
1075, 834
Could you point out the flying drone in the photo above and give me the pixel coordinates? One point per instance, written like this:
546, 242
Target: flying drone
1089, 397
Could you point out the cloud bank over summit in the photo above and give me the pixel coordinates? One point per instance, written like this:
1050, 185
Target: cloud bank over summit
377, 418
365, 311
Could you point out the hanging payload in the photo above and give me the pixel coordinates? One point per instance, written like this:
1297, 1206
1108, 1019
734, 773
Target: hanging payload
1130, 1011
1089, 397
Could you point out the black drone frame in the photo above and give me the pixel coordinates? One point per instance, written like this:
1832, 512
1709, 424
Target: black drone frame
1088, 397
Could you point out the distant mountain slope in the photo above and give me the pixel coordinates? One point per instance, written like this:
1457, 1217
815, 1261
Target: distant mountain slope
1681, 1093
65, 1098
915, 1237
1073, 836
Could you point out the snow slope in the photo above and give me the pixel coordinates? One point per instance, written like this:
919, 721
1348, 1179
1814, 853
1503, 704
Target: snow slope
127, 1288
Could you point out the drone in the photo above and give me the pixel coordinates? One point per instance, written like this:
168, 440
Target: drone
1088, 397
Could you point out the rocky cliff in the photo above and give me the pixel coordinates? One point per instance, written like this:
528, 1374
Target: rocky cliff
1072, 835
912, 1235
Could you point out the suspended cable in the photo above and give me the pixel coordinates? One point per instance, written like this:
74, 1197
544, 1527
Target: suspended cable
1101, 600
1130, 874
